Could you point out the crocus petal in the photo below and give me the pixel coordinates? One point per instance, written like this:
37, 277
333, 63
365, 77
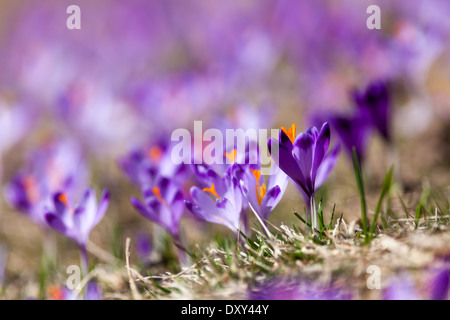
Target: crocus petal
303, 153
84, 219
284, 159
322, 144
270, 200
202, 199
141, 208
56, 223
326, 167
60, 206
226, 214
102, 207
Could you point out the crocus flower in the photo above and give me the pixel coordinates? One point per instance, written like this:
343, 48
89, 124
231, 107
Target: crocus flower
62, 293
284, 289
402, 288
76, 222
374, 103
353, 131
440, 284
163, 204
143, 167
305, 160
219, 203
52, 167
143, 246
261, 194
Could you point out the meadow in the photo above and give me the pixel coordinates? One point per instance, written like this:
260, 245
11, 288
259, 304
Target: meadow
254, 150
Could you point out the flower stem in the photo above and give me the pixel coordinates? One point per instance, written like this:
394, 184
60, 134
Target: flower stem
314, 218
84, 261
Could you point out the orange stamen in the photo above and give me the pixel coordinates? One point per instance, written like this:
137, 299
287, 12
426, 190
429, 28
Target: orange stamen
31, 189
290, 133
155, 153
231, 155
55, 293
157, 193
63, 199
212, 190
260, 193
257, 174
260, 190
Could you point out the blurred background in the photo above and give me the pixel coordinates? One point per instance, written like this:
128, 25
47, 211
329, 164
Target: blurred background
137, 70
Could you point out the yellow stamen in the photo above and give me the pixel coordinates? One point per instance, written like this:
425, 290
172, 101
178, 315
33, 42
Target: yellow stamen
212, 190
155, 153
157, 193
231, 155
260, 193
290, 133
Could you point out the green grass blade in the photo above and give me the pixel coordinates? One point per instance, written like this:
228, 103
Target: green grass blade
384, 191
362, 195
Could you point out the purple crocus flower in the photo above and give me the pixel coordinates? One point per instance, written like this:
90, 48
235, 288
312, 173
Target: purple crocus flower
305, 160
52, 167
284, 289
374, 103
402, 288
221, 202
143, 167
143, 246
76, 222
440, 284
163, 204
262, 194
353, 131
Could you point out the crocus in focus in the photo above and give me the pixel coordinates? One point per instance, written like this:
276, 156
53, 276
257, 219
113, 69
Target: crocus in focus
220, 203
305, 160
262, 194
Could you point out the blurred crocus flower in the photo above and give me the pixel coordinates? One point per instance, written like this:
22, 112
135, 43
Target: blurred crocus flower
55, 166
353, 131
143, 246
374, 105
402, 288
16, 119
282, 289
219, 203
76, 222
61, 293
305, 160
93, 291
440, 284
145, 166
163, 204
